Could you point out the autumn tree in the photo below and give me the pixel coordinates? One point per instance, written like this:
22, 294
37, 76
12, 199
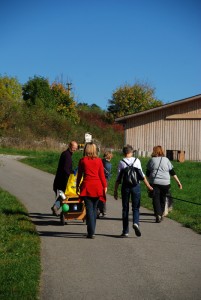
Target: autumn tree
10, 89
64, 102
10, 101
132, 99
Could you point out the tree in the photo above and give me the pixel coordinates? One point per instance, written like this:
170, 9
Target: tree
83, 106
92, 108
10, 101
132, 99
37, 91
65, 104
10, 89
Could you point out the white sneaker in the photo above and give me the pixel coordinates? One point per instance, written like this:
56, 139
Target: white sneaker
137, 230
124, 235
62, 195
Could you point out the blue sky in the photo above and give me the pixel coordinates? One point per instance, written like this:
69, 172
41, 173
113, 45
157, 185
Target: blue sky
100, 45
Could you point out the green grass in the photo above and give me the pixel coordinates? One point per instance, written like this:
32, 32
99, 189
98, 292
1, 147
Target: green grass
187, 212
19, 251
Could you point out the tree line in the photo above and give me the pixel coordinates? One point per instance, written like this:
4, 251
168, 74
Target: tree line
38, 109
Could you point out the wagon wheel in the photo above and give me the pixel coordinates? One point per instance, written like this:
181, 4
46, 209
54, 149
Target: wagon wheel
62, 218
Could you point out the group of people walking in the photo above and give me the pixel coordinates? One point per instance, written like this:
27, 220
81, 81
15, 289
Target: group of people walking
92, 181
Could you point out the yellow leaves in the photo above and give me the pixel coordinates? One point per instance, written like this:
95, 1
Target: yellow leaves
132, 99
10, 89
65, 105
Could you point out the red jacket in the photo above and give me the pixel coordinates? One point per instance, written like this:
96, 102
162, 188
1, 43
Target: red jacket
94, 182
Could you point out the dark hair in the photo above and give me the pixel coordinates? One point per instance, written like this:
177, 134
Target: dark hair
127, 149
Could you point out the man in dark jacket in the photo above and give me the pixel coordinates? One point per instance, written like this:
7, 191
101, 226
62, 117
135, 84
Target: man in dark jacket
64, 170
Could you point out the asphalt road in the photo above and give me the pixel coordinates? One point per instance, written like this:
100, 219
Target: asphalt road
164, 263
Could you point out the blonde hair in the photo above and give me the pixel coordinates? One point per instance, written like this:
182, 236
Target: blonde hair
90, 150
157, 151
108, 155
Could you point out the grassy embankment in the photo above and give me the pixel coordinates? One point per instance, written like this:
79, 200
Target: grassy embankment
19, 251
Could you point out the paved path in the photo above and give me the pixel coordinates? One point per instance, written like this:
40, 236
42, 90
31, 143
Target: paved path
165, 263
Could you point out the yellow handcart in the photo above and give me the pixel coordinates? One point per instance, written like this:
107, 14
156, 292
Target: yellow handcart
76, 208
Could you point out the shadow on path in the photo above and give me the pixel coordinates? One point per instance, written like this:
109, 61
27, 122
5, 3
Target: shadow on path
74, 235
147, 218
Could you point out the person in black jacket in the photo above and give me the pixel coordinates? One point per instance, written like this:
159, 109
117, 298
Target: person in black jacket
64, 170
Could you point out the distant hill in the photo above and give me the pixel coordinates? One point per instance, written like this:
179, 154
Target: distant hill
37, 128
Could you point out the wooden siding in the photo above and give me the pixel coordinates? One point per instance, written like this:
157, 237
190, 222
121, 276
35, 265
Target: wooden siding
150, 129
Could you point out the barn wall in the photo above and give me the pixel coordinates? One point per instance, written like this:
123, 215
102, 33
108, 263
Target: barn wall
145, 131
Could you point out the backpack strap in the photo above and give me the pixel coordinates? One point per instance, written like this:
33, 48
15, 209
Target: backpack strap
157, 169
127, 163
106, 171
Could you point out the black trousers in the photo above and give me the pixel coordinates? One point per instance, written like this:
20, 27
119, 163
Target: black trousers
159, 198
101, 207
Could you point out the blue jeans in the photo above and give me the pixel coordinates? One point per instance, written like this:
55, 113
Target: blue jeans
135, 194
57, 202
91, 214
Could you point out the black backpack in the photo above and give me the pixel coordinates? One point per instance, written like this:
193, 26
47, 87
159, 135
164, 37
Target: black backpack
131, 175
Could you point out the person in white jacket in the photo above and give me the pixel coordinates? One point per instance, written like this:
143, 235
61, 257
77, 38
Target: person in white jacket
128, 190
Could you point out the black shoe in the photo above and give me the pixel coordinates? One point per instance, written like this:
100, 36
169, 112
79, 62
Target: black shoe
158, 219
137, 230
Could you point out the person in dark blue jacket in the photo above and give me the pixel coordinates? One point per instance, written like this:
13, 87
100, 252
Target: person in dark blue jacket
107, 156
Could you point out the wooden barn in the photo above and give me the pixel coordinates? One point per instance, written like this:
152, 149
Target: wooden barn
175, 126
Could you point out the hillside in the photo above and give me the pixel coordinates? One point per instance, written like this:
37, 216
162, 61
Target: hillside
36, 128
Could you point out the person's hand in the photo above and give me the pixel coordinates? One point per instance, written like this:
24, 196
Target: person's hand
115, 195
180, 185
105, 190
150, 188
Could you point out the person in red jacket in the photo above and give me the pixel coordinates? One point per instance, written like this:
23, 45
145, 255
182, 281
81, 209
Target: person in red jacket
93, 186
